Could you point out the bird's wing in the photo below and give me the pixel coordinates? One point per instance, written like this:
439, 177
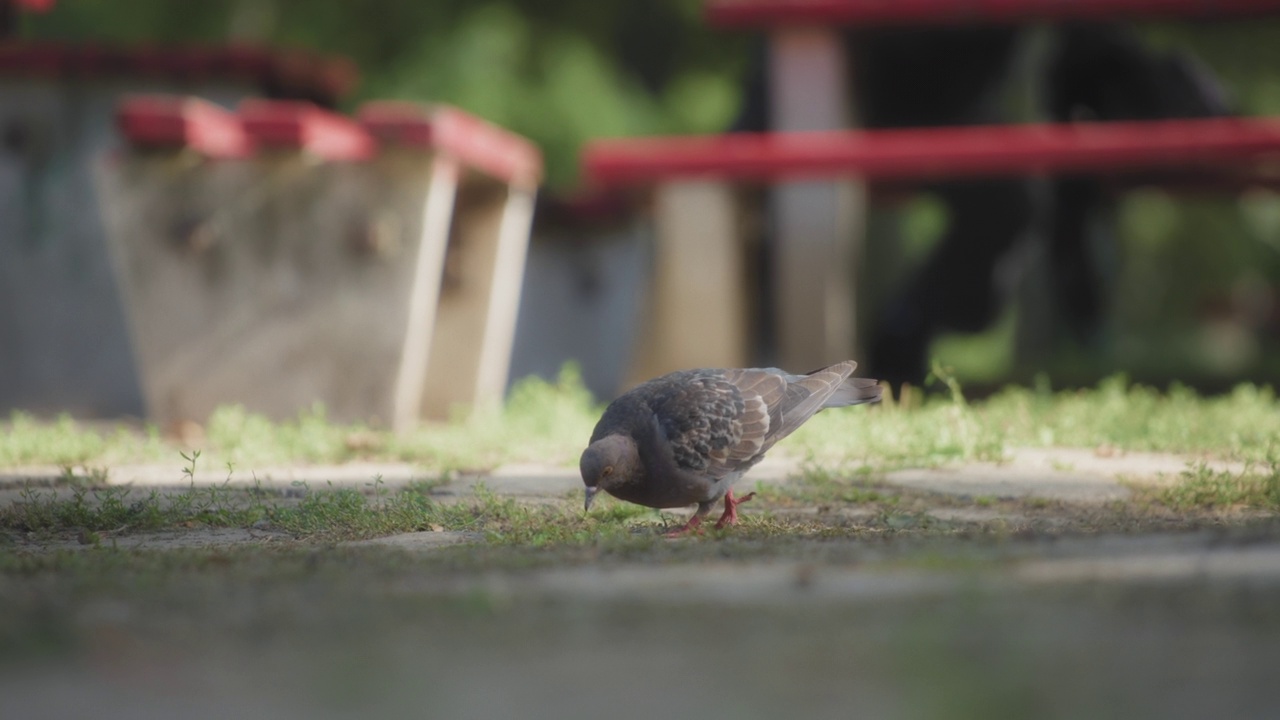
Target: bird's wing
800, 397
718, 423
762, 392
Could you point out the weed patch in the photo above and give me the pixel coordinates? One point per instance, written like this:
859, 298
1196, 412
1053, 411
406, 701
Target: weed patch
1201, 486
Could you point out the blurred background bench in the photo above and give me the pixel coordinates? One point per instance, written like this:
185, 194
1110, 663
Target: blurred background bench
702, 294
285, 255
61, 321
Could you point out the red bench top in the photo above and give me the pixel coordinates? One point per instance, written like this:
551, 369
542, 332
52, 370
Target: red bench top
1113, 147
475, 142
162, 121
286, 125
172, 121
763, 13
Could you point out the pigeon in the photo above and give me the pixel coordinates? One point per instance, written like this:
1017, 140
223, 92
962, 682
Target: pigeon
685, 438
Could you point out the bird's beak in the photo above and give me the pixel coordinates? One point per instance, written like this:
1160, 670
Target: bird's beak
591, 495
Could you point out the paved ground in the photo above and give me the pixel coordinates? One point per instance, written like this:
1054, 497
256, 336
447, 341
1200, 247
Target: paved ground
1129, 625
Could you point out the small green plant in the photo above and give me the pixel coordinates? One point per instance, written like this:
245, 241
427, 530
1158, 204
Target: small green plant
1201, 486
189, 470
111, 509
947, 377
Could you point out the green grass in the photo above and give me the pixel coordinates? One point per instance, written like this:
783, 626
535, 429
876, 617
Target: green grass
1201, 486
96, 511
325, 514
549, 423
844, 452
1242, 425
545, 422
345, 513
25, 440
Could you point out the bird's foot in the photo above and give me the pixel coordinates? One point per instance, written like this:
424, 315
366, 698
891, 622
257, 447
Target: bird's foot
730, 516
688, 528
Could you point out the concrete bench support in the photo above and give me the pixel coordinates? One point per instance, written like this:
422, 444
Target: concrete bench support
819, 223
338, 263
697, 305
476, 316
424, 291
487, 180
64, 344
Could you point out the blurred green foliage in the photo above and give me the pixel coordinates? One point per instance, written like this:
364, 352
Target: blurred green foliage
558, 71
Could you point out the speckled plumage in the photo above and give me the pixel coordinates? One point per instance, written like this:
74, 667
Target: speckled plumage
686, 437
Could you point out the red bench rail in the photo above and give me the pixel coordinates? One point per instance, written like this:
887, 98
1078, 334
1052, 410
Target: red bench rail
764, 13
940, 152
163, 121
472, 141
289, 125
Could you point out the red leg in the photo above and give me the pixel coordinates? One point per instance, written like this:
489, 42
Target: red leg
730, 516
686, 529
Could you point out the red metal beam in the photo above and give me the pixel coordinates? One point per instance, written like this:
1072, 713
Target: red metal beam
441, 128
1100, 148
292, 125
168, 121
867, 13
159, 121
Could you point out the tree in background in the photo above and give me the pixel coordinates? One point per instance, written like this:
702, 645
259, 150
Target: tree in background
558, 71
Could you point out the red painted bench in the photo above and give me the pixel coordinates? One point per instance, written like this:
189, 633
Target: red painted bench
817, 167
916, 154
313, 256
165, 121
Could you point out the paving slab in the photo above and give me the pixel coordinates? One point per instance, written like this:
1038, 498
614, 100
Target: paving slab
1211, 564
1078, 475
1162, 559
1109, 462
529, 481
425, 540
975, 515
1011, 481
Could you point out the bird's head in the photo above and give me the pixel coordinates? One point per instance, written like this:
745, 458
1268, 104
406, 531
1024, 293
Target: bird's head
606, 464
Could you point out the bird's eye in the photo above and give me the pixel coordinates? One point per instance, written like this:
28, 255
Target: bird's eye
608, 470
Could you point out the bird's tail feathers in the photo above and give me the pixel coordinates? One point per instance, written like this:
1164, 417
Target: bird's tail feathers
855, 391
850, 391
